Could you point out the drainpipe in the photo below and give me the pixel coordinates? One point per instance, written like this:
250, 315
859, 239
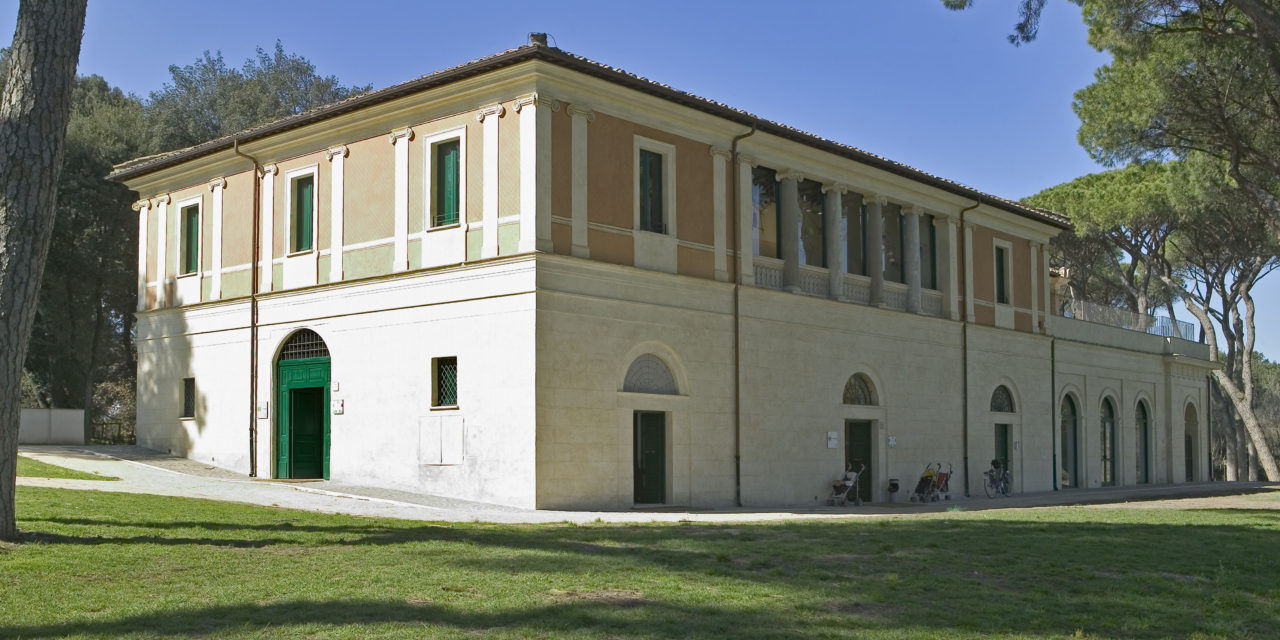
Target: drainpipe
964, 353
254, 270
737, 316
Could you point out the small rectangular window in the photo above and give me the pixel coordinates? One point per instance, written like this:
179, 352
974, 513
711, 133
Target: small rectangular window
188, 398
190, 251
445, 392
444, 206
651, 214
303, 222
1002, 275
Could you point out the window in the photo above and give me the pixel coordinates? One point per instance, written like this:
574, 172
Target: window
445, 382
188, 398
651, 192
655, 186
893, 243
859, 390
189, 259
813, 250
302, 193
765, 233
649, 374
446, 182
853, 228
1002, 400
1002, 274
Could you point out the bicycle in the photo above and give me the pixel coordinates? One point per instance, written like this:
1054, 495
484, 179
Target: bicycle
997, 480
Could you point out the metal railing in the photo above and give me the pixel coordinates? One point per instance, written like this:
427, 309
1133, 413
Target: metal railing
1125, 319
113, 433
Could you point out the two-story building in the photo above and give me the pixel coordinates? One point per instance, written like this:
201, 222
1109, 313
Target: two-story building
537, 280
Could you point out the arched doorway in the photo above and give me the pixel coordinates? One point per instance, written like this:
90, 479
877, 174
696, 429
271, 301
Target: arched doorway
859, 435
650, 430
1107, 442
1069, 425
302, 407
1191, 424
1142, 427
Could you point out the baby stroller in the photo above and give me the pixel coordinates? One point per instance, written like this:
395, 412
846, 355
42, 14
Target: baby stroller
846, 488
934, 484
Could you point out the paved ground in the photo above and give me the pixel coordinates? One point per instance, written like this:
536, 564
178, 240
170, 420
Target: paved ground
145, 471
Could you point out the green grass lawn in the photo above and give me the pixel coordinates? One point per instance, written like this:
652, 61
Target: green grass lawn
29, 468
98, 564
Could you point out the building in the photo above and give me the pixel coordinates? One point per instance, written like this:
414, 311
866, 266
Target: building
536, 280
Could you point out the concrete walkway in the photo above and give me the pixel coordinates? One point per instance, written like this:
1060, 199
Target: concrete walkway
145, 471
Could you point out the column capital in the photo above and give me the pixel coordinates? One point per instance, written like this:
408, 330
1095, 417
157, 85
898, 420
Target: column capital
578, 111
790, 175
913, 210
164, 199
495, 110
837, 187
340, 150
944, 221
872, 198
535, 99
269, 169
217, 183
141, 204
746, 159
399, 134
719, 152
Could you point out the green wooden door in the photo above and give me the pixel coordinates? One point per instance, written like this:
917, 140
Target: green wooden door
650, 439
857, 452
302, 418
1002, 452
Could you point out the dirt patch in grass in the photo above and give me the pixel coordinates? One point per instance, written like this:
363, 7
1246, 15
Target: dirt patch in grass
625, 598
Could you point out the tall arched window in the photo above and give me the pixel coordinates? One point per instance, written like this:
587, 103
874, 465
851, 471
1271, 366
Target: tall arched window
1002, 400
1142, 427
1069, 425
649, 374
1108, 442
859, 390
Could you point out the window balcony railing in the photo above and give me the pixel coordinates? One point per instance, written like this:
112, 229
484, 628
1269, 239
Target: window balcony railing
1125, 319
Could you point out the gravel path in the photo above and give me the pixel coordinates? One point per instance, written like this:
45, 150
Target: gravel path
144, 471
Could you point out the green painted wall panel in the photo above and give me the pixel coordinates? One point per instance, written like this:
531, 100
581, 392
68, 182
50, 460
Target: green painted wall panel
364, 263
475, 240
508, 238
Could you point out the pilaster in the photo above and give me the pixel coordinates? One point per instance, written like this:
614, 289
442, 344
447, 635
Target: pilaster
578, 199
143, 207
162, 252
337, 216
968, 273
535, 171
488, 117
719, 212
400, 139
266, 243
745, 248
215, 244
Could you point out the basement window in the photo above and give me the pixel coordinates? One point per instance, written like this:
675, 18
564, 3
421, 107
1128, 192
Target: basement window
188, 398
444, 382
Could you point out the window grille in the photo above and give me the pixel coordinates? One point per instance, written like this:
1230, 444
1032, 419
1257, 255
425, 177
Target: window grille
188, 398
1002, 400
858, 390
446, 382
304, 344
649, 374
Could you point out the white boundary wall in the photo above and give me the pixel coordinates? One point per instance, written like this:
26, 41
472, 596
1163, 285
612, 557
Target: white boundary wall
51, 426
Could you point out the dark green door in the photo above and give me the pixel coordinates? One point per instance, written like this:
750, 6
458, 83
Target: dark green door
1002, 445
857, 452
651, 457
302, 418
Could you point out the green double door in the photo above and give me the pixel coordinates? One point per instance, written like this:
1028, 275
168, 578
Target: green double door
858, 452
302, 418
650, 441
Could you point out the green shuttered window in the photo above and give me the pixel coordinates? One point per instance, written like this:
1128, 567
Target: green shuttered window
651, 218
1002, 275
190, 258
303, 224
447, 183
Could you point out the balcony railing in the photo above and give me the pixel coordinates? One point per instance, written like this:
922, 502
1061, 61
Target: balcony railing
1125, 319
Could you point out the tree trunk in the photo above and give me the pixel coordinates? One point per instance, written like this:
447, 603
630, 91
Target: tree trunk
35, 104
99, 310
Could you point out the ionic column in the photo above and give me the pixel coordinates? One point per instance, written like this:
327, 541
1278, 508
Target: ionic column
535, 171
746, 247
337, 167
215, 245
831, 206
488, 117
143, 207
267, 248
162, 251
578, 200
911, 220
719, 212
875, 245
789, 225
400, 256
968, 273
945, 259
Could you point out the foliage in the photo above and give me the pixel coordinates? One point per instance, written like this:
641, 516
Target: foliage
1028, 24
208, 99
101, 564
1266, 398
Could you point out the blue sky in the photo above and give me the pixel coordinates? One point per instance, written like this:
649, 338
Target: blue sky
939, 90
